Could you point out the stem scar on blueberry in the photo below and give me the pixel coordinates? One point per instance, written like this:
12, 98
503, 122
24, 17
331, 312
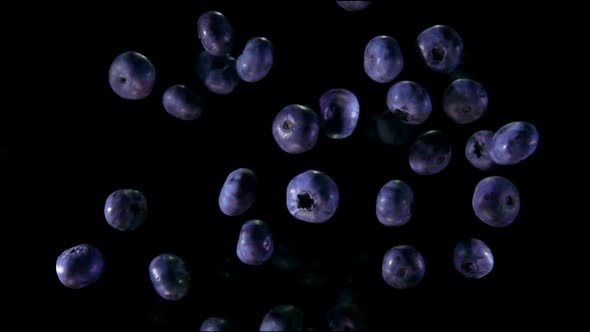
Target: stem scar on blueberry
438, 54
305, 202
287, 125
122, 80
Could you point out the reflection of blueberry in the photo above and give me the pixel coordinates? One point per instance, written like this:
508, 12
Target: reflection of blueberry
256, 60
132, 76
353, 6
217, 73
403, 267
169, 277
430, 153
383, 60
513, 143
215, 33
283, 318
215, 324
125, 209
296, 129
473, 258
496, 201
465, 101
346, 317
409, 102
238, 192
182, 103
441, 48
312, 196
255, 244
476, 150
394, 203
79, 266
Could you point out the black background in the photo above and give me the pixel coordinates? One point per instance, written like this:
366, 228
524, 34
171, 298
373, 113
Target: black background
105, 143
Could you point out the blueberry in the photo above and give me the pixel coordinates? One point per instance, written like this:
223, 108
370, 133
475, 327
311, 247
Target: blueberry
285, 317
430, 153
215, 324
169, 277
496, 201
125, 209
312, 196
238, 192
339, 113
256, 60
255, 245
345, 317
465, 100
353, 6
476, 150
441, 48
182, 103
79, 266
132, 76
288, 257
296, 129
215, 33
473, 258
409, 102
403, 267
217, 73
383, 60
394, 203
513, 143
392, 131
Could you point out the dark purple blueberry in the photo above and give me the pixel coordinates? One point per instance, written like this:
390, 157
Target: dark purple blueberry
217, 73
409, 102
465, 101
392, 131
125, 209
238, 192
383, 60
287, 256
215, 324
169, 277
296, 129
312, 196
287, 318
403, 267
182, 103
346, 317
430, 153
441, 48
353, 6
513, 143
476, 150
215, 33
473, 258
496, 201
255, 245
132, 76
256, 60
339, 113
394, 203
79, 266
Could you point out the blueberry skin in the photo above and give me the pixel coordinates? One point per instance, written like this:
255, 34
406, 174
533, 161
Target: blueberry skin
215, 33
353, 6
473, 258
441, 48
392, 131
256, 60
410, 102
383, 60
169, 277
215, 324
238, 192
182, 103
496, 201
339, 113
312, 196
430, 153
132, 76
255, 245
125, 209
296, 129
217, 73
476, 150
513, 143
403, 267
285, 317
346, 317
465, 101
394, 203
79, 266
